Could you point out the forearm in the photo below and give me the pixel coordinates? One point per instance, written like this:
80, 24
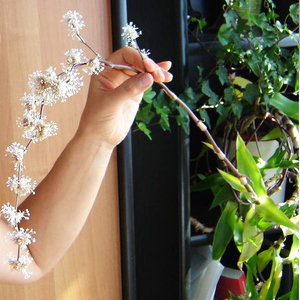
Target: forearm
64, 199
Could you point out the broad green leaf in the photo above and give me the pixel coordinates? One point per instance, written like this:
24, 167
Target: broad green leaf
222, 196
233, 181
248, 167
241, 81
294, 12
149, 95
224, 230
252, 237
145, 115
142, 126
264, 257
222, 74
286, 296
207, 183
268, 210
237, 108
205, 117
251, 92
287, 106
273, 134
206, 90
238, 233
224, 34
295, 288
250, 285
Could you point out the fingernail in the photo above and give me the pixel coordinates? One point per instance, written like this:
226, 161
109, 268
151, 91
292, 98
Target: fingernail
145, 80
160, 74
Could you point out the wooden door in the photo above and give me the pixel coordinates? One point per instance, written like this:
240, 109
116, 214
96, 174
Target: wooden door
33, 38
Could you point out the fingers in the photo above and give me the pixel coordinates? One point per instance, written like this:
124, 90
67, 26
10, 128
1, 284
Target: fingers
132, 88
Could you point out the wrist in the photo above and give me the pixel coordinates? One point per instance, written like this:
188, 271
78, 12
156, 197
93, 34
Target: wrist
93, 141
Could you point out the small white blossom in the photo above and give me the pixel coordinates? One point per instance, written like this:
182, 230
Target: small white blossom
94, 66
21, 264
16, 153
44, 86
35, 128
30, 101
74, 57
131, 33
23, 186
22, 237
75, 23
145, 53
30, 118
12, 216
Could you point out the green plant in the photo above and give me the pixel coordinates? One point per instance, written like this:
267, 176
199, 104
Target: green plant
250, 92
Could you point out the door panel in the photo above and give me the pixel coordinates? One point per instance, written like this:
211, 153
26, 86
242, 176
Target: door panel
33, 38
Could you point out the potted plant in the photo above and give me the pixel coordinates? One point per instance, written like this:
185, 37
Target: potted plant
247, 95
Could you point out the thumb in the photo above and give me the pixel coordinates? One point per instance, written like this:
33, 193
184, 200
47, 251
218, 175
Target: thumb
132, 87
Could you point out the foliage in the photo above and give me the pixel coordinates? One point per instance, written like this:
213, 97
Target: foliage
254, 80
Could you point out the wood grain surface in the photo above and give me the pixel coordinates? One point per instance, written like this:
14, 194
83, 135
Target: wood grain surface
33, 38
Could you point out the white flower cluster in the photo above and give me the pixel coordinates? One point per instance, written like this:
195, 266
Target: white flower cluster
45, 90
75, 23
13, 216
20, 263
131, 33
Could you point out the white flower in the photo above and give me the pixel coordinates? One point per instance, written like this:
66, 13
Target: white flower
131, 33
74, 57
22, 237
30, 118
94, 66
21, 264
75, 24
12, 216
37, 129
30, 101
145, 53
16, 153
44, 86
22, 186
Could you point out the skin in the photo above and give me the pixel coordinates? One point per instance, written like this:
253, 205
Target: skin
113, 100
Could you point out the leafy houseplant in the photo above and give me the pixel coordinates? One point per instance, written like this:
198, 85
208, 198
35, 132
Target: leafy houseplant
248, 94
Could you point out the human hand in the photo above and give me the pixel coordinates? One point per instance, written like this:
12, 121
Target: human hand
114, 96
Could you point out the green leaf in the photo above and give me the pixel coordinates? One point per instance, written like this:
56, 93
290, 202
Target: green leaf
238, 233
206, 90
222, 74
224, 34
295, 288
250, 285
231, 17
208, 183
142, 126
286, 296
222, 196
251, 92
264, 258
237, 108
149, 95
287, 106
224, 230
252, 237
248, 167
205, 117
268, 210
294, 12
274, 134
183, 118
145, 115
229, 94
233, 181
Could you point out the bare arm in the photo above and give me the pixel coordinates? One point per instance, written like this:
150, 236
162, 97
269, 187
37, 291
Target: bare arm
65, 197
